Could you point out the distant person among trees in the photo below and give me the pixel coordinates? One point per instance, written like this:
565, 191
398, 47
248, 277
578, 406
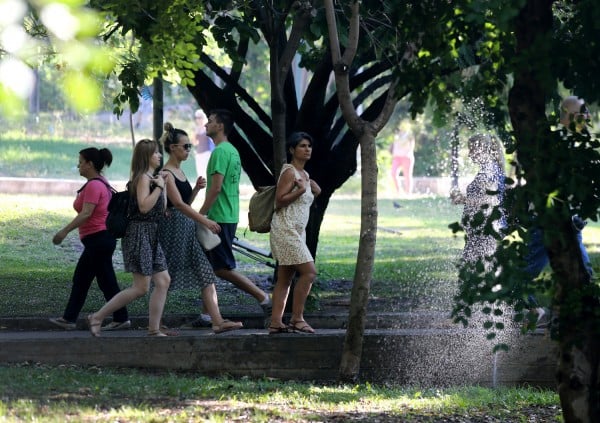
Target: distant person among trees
403, 158
204, 145
574, 116
483, 193
142, 252
222, 204
188, 265
294, 196
98, 244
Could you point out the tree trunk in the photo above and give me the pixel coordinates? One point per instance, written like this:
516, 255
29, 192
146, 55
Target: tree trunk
352, 352
157, 107
365, 132
578, 371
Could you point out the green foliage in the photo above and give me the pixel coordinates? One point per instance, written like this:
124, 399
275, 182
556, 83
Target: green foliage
35, 31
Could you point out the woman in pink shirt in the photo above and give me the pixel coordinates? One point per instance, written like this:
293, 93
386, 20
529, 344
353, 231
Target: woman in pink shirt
99, 245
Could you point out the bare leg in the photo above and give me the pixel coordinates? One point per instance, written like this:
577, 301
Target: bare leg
139, 288
308, 273
162, 280
394, 171
243, 283
281, 291
211, 303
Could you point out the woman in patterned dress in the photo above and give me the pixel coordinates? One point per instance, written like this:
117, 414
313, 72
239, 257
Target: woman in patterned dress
188, 265
483, 193
294, 196
142, 252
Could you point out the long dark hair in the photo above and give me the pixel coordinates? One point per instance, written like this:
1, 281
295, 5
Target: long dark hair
99, 158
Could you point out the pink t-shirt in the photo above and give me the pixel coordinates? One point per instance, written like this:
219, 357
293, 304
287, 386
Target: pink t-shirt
95, 192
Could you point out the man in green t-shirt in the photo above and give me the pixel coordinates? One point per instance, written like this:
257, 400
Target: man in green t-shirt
222, 204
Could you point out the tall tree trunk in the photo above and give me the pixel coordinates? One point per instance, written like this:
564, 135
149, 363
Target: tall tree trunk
578, 371
365, 259
365, 132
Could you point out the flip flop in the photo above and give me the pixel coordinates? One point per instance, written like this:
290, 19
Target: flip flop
226, 326
301, 327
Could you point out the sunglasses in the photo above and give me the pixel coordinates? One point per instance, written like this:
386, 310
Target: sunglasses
186, 147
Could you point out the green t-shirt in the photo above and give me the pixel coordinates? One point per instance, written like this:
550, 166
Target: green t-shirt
225, 160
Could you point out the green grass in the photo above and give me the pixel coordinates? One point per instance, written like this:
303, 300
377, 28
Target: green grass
414, 268
414, 259
55, 394
36, 157
414, 256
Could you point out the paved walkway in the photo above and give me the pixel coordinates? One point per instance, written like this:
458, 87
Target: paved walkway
400, 348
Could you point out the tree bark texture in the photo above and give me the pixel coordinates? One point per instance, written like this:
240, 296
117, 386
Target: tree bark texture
353, 342
578, 371
365, 132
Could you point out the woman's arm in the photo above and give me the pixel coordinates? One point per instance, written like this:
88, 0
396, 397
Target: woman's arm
186, 209
147, 199
315, 188
289, 188
200, 184
82, 216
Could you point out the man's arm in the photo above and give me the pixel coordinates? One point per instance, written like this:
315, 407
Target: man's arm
212, 193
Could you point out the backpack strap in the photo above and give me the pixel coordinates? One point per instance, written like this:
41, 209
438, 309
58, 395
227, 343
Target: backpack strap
110, 188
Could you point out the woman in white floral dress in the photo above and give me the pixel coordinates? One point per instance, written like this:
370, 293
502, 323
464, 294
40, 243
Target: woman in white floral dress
294, 196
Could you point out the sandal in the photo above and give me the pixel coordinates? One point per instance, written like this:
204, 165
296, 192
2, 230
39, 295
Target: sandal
275, 330
301, 327
164, 330
226, 326
94, 327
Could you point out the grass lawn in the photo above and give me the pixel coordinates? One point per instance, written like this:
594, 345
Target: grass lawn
69, 393
414, 259
414, 270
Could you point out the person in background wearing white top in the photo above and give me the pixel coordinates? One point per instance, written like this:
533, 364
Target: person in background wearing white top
203, 144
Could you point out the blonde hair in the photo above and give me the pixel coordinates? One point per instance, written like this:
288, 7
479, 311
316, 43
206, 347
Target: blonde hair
170, 136
140, 161
489, 144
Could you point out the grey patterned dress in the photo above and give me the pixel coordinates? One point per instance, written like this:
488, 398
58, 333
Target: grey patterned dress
142, 252
188, 265
483, 193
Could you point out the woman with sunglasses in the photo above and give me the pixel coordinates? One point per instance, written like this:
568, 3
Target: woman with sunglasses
188, 264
